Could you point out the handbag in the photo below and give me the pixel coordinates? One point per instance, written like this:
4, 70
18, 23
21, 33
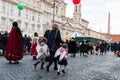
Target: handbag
55, 46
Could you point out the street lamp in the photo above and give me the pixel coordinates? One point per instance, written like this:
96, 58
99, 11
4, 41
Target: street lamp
54, 4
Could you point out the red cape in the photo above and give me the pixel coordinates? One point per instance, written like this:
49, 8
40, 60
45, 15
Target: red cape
14, 50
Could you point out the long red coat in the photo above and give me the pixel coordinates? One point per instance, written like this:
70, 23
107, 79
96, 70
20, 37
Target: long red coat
14, 50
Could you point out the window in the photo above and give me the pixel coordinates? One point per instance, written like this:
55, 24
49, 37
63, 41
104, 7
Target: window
10, 22
27, 14
56, 10
19, 23
26, 25
44, 15
11, 9
38, 27
3, 7
76, 8
19, 13
38, 19
33, 18
32, 27
39, 6
3, 21
62, 10
11, 12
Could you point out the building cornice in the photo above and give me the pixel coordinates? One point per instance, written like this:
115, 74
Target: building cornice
27, 6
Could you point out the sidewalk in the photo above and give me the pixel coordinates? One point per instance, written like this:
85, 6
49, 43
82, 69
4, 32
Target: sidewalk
93, 67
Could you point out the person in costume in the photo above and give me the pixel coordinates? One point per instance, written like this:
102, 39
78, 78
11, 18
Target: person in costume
14, 50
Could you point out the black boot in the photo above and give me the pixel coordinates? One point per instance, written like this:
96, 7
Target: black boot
34, 58
47, 68
58, 73
55, 68
42, 65
63, 71
35, 65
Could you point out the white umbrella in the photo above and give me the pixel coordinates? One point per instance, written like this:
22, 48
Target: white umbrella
75, 34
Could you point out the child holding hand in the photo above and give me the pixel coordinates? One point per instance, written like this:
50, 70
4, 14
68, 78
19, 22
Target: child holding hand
62, 55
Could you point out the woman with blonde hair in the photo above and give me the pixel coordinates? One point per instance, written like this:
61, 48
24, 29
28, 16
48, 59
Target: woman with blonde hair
54, 41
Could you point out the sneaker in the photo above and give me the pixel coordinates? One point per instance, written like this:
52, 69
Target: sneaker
63, 71
58, 73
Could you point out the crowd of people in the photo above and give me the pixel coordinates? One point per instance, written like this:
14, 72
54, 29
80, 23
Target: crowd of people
50, 47
86, 48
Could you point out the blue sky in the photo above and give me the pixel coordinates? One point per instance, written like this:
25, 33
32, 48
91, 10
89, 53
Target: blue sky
96, 13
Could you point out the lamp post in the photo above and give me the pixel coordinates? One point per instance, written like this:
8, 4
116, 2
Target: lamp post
53, 11
54, 4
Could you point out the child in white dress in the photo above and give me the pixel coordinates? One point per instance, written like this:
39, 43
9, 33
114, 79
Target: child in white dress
62, 55
42, 50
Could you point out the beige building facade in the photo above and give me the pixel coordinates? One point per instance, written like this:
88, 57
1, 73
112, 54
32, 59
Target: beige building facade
37, 16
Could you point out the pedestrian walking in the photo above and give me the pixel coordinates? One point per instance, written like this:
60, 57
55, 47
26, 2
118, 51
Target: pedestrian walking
54, 41
62, 55
82, 48
97, 48
102, 48
25, 40
14, 51
42, 50
33, 51
73, 47
4, 41
29, 43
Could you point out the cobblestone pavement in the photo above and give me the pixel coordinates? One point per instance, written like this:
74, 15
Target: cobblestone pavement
93, 67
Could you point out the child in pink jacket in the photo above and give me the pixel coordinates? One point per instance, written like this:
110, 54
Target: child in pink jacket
62, 54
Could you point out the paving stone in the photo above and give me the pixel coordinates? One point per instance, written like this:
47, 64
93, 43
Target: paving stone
93, 67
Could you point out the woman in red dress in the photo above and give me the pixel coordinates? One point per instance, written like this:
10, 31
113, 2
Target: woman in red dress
33, 51
14, 50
